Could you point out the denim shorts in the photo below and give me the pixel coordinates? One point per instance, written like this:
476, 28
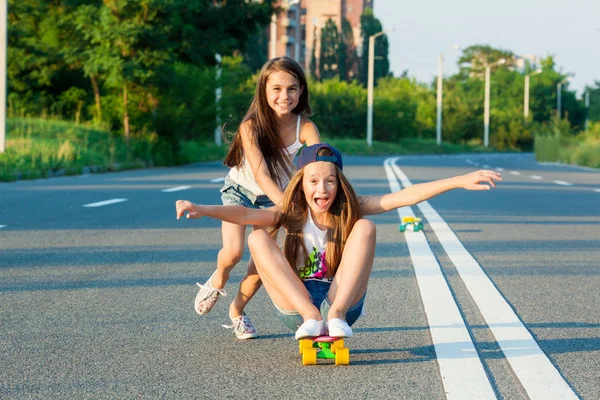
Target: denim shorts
234, 194
318, 294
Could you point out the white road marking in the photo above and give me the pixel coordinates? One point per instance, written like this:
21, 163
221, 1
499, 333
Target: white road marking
563, 183
105, 203
515, 173
176, 189
539, 377
2, 226
597, 190
461, 369
216, 180
536, 177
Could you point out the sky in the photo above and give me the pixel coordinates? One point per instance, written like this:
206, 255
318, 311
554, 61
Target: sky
424, 29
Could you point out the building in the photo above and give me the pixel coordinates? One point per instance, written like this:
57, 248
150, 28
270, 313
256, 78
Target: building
292, 30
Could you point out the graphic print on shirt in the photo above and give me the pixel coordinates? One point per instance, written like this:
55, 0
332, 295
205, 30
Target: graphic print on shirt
315, 266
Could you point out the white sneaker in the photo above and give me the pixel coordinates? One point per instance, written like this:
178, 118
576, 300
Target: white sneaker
311, 328
339, 328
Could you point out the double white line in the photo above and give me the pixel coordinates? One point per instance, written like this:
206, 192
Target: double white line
461, 369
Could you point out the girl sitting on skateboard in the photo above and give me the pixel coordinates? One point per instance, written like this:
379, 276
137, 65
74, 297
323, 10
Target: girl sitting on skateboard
319, 281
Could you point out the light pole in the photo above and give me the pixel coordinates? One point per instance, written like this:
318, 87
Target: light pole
526, 100
438, 128
370, 86
440, 84
559, 96
3, 44
486, 112
218, 92
296, 3
587, 110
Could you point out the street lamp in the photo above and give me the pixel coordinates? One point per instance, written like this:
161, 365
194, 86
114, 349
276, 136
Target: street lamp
3, 44
559, 96
486, 112
370, 87
218, 93
440, 82
526, 100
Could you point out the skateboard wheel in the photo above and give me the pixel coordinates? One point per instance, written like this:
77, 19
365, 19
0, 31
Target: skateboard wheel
402, 228
309, 356
305, 344
342, 356
338, 344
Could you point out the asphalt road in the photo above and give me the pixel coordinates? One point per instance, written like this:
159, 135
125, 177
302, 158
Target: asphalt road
498, 299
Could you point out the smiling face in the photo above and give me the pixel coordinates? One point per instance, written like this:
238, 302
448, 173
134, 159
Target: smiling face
320, 186
283, 92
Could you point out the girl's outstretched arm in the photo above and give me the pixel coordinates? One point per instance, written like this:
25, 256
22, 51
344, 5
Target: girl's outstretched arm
239, 215
478, 180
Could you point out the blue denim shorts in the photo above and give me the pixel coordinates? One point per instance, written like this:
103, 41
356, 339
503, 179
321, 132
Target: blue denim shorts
318, 294
234, 194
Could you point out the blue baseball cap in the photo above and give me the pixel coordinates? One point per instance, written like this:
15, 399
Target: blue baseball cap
310, 154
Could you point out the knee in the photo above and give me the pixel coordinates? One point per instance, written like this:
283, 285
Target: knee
257, 239
232, 254
365, 228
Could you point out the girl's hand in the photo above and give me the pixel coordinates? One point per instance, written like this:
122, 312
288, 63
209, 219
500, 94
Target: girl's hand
192, 209
475, 180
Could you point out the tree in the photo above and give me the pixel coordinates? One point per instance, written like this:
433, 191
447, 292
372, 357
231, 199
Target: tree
329, 56
313, 57
347, 53
370, 26
474, 58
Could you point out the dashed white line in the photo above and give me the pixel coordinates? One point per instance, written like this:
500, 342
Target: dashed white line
537, 374
176, 189
2, 226
515, 173
216, 180
597, 190
563, 183
461, 369
104, 203
536, 177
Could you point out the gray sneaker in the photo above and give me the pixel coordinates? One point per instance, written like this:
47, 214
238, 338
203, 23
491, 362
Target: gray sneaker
242, 327
207, 297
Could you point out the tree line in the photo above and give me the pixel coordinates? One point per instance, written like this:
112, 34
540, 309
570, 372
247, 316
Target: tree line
148, 67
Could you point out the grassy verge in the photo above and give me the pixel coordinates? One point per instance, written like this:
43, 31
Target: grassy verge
564, 147
39, 148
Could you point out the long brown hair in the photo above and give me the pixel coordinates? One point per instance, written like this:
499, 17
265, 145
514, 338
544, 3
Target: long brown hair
342, 215
263, 122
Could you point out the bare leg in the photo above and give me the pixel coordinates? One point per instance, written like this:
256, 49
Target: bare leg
352, 276
249, 285
281, 282
230, 254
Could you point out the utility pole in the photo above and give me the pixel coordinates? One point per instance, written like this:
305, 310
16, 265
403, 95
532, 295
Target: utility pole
486, 105
526, 95
587, 110
218, 92
3, 64
370, 80
439, 101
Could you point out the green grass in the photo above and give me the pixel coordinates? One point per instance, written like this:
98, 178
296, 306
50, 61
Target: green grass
564, 147
38, 148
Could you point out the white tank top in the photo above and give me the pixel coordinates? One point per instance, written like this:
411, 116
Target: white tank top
245, 177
